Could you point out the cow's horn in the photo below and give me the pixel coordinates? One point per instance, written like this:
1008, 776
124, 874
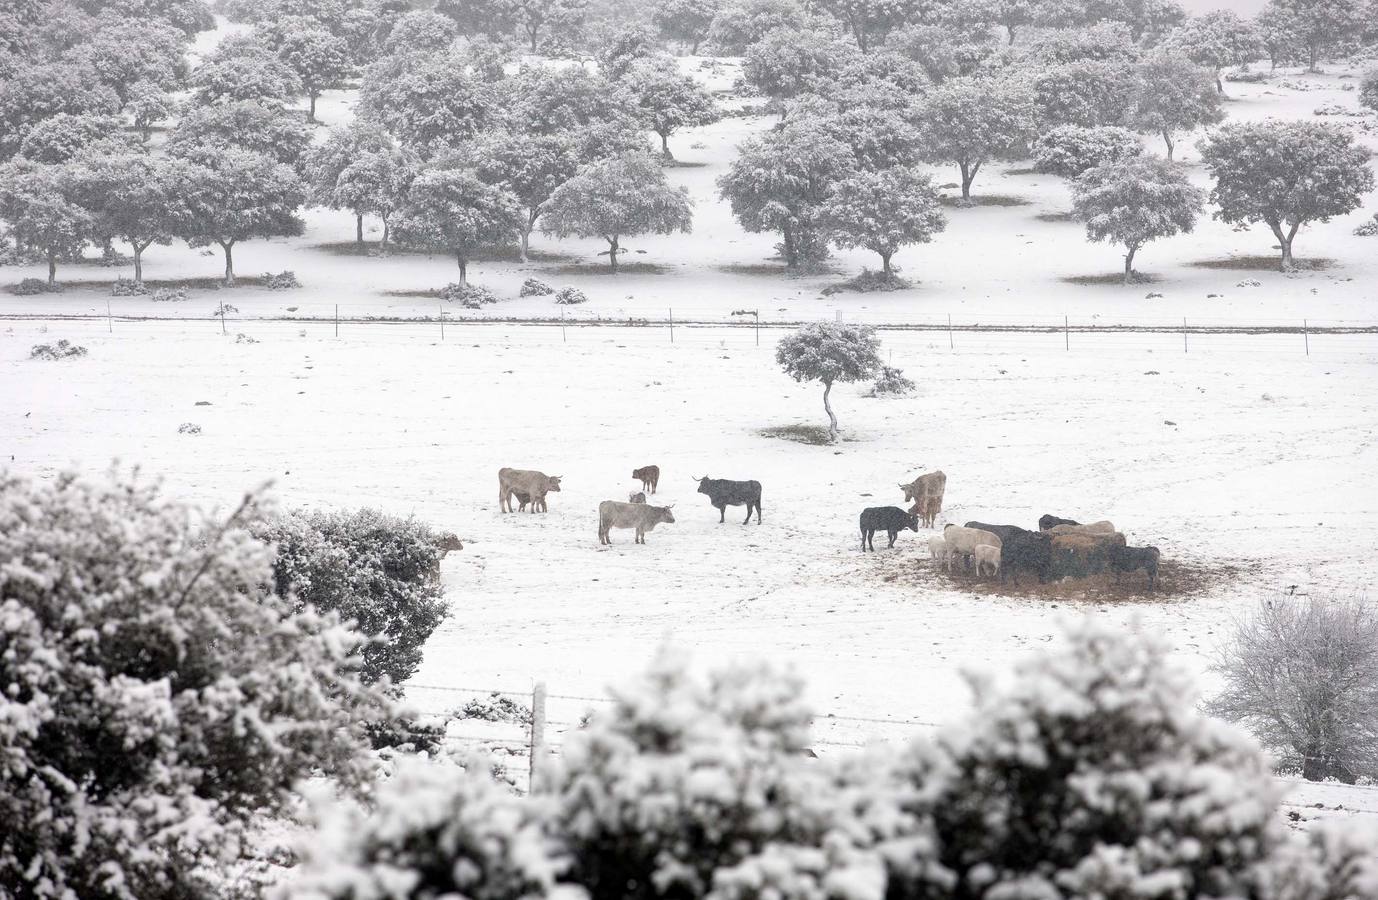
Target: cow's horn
695, 478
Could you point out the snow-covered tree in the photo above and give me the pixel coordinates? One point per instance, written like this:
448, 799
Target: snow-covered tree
123, 53
830, 352
667, 100
1070, 150
36, 91
741, 23
785, 63
1148, 21
1302, 676
615, 198
319, 59
244, 69
883, 211
36, 201
422, 31
945, 51
781, 182
377, 571
971, 121
428, 100
686, 21
1285, 174
530, 166
1130, 202
1015, 16
59, 138
1101, 42
135, 197
1172, 94
1368, 90
236, 195
870, 21
1091, 775
158, 694
1317, 26
879, 138
1089, 93
1218, 39
359, 167
454, 211
240, 125
148, 105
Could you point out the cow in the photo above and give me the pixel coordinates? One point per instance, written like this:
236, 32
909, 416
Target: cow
987, 555
723, 493
641, 516
890, 519
1101, 527
444, 544
1020, 550
962, 541
535, 485
1046, 522
1083, 554
921, 489
637, 497
1131, 559
649, 476
937, 548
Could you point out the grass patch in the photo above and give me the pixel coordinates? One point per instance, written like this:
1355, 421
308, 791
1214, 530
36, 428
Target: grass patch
1067, 216
816, 435
984, 200
1112, 278
636, 268
1027, 170
1264, 263
211, 283
680, 164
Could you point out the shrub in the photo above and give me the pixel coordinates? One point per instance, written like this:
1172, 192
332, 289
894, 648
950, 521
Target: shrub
1070, 149
169, 295
63, 349
188, 428
495, 708
569, 296
123, 287
869, 282
1245, 76
1368, 90
30, 286
376, 570
1302, 675
892, 383
1368, 229
470, 296
282, 281
533, 287
158, 695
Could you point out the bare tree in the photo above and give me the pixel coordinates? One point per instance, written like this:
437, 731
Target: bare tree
1302, 675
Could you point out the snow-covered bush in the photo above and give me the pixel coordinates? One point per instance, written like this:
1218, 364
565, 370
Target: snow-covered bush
1283, 671
495, 708
892, 383
157, 693
1368, 90
169, 295
471, 296
28, 287
188, 428
568, 296
1368, 229
1092, 775
282, 281
534, 287
1070, 149
123, 287
63, 349
380, 571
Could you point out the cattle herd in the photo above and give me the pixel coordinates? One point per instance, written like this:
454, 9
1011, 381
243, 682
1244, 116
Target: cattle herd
1060, 548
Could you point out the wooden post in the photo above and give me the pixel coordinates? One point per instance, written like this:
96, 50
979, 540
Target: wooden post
223, 329
564, 337
1066, 333
442, 321
1305, 336
337, 320
1184, 334
672, 325
950, 345
109, 317
757, 314
537, 736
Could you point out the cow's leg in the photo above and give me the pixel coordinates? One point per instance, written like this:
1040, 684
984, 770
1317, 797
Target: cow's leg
863, 539
504, 504
747, 520
892, 539
722, 514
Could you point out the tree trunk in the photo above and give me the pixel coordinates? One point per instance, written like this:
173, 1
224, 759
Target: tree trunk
1010, 29
832, 419
612, 253
385, 232
52, 265
463, 267
1313, 52
791, 254
694, 47
138, 262
532, 215
969, 171
359, 229
1129, 263
1219, 85
229, 262
885, 264
311, 113
1167, 139
665, 145
1285, 242
531, 34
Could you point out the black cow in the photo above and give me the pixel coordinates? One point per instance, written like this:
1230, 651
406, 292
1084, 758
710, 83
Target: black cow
1045, 523
723, 493
1131, 559
890, 519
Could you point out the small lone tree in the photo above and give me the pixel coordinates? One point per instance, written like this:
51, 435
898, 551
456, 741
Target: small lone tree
455, 211
883, 211
1171, 94
36, 201
970, 121
1133, 201
1302, 675
1285, 174
667, 100
616, 198
319, 59
830, 352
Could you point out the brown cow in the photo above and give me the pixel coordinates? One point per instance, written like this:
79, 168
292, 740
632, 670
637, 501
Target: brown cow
1084, 554
928, 510
525, 481
926, 492
649, 476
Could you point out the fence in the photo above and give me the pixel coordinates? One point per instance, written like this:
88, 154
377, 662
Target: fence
537, 745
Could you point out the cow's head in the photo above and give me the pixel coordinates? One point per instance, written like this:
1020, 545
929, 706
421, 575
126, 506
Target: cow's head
703, 483
553, 483
908, 491
447, 542
912, 521
666, 516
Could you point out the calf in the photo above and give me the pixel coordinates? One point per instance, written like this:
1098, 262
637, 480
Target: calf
649, 476
723, 493
890, 519
987, 555
641, 516
1131, 559
525, 481
963, 541
638, 497
937, 548
1047, 522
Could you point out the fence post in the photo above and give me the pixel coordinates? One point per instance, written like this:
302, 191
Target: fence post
337, 320
564, 337
537, 734
223, 329
442, 321
1306, 336
758, 327
672, 324
950, 345
109, 317
1066, 333
1184, 334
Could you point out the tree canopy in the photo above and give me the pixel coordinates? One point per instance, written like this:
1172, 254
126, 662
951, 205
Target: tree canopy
1133, 201
830, 352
